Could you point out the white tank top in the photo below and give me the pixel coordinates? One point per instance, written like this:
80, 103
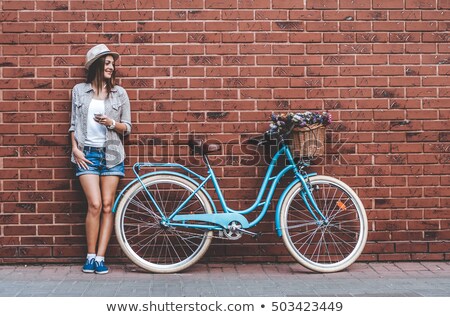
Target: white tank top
96, 133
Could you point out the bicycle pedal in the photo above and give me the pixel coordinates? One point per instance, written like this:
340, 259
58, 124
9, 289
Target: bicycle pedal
253, 234
259, 234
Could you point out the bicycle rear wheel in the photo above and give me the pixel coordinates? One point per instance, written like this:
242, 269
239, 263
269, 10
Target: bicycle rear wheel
330, 245
146, 239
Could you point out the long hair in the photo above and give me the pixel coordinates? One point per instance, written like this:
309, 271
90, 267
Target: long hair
95, 75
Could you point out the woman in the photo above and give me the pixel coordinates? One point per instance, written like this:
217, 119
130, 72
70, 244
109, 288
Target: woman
100, 119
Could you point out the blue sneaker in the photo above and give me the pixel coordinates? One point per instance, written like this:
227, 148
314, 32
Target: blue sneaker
89, 266
101, 268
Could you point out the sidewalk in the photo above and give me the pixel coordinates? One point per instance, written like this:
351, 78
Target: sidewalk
230, 280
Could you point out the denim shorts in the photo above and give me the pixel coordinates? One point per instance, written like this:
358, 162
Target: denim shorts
98, 166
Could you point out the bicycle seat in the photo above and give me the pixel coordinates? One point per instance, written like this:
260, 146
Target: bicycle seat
200, 147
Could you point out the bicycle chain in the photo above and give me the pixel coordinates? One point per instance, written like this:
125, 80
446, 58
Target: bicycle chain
218, 236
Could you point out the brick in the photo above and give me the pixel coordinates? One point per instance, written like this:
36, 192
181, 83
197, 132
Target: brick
18, 5
224, 4
324, 5
428, 4
19, 230
14, 27
321, 26
9, 16
287, 4
411, 247
391, 225
436, 15
381, 4
371, 60
389, 26
420, 48
373, 37
349, 4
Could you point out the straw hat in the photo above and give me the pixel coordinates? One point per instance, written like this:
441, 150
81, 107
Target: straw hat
98, 51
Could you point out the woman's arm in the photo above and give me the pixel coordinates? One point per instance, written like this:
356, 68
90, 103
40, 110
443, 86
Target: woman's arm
119, 127
125, 116
124, 126
72, 115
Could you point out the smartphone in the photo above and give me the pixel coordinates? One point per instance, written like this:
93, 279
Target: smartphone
98, 115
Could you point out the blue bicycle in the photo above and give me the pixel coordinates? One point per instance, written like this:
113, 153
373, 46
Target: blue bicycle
166, 219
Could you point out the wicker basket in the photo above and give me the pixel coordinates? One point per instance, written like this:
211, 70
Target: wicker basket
309, 141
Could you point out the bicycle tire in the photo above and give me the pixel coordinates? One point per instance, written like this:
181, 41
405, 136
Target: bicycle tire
148, 243
324, 246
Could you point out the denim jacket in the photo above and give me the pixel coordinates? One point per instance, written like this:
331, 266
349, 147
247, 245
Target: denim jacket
117, 107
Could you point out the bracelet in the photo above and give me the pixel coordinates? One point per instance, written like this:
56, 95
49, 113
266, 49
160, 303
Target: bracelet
113, 125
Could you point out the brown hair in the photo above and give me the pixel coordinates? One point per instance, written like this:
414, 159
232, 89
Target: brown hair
95, 75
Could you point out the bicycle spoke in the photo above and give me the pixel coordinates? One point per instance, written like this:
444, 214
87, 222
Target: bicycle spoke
145, 207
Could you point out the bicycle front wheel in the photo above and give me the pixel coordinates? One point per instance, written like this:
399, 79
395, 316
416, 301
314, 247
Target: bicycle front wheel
328, 244
147, 240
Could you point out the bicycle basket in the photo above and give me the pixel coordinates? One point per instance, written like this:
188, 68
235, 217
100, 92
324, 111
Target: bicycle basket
308, 141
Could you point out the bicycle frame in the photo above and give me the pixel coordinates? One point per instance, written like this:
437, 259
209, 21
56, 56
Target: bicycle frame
222, 220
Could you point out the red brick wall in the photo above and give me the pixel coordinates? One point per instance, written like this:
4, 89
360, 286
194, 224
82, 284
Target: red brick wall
220, 67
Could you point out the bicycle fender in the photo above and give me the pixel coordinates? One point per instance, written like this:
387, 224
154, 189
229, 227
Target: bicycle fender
119, 197
280, 203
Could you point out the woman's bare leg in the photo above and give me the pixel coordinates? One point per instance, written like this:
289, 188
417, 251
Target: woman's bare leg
108, 190
91, 187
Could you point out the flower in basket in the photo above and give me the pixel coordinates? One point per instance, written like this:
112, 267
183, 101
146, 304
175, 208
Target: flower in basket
284, 123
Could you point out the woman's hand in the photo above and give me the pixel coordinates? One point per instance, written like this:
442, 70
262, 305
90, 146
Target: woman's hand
80, 159
103, 120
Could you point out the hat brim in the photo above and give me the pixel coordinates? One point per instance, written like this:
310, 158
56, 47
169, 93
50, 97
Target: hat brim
90, 62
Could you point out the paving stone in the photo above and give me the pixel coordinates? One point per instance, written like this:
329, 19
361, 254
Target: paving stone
229, 280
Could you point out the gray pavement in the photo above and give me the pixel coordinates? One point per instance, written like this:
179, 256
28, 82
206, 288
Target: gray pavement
411, 279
